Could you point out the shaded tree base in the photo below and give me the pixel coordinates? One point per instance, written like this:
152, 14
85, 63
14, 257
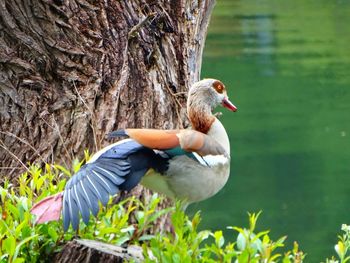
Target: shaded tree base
83, 250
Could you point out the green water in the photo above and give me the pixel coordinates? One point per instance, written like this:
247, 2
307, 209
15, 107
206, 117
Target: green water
287, 67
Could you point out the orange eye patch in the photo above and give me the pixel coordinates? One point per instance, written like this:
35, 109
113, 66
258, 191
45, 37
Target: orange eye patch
218, 86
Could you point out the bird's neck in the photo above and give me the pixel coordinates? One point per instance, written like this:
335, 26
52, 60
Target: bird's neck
201, 118
218, 132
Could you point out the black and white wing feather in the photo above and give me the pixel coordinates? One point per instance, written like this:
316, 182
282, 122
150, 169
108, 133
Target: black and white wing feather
118, 168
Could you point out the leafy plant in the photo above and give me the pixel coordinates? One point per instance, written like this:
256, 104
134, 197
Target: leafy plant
342, 248
23, 241
189, 245
20, 239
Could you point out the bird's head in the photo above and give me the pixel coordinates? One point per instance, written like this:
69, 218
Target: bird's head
209, 93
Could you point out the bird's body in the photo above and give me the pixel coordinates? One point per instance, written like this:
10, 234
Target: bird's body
191, 165
193, 179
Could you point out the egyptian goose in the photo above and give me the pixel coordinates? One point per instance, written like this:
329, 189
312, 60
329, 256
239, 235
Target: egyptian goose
191, 164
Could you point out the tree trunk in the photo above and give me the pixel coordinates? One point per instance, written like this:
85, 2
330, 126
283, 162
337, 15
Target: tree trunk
71, 71
90, 251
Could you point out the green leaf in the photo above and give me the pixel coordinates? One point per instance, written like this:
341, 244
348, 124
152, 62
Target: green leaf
244, 257
87, 155
5, 226
18, 229
130, 229
18, 247
39, 183
14, 211
286, 259
108, 230
241, 241
253, 219
203, 235
19, 260
26, 231
280, 241
274, 257
9, 245
219, 239
63, 169
61, 185
77, 165
3, 194
52, 233
295, 248
140, 216
176, 258
238, 229
122, 240
146, 237
260, 234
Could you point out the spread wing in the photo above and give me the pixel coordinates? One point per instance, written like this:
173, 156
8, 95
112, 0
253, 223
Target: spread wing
117, 168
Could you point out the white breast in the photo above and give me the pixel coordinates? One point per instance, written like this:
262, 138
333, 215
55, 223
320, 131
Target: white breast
218, 132
192, 181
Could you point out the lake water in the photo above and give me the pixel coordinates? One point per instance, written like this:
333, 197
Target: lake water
287, 67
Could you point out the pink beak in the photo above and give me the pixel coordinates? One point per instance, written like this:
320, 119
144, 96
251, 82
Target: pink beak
228, 104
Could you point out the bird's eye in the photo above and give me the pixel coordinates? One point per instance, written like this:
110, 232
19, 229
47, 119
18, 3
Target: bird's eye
218, 86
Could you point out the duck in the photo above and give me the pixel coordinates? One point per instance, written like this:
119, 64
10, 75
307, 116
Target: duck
187, 164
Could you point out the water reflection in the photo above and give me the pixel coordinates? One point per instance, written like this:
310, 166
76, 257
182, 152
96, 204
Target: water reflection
262, 38
286, 64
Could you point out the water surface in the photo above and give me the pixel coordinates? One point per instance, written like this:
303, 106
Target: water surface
287, 67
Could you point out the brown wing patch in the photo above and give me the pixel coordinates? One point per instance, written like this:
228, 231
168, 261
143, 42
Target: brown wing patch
155, 139
219, 86
191, 141
194, 141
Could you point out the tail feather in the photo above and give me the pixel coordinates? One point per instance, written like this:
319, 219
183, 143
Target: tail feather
48, 209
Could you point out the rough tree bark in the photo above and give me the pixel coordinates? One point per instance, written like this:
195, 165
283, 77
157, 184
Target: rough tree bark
73, 70
90, 251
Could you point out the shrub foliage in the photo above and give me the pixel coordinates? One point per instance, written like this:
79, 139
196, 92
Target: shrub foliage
23, 241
